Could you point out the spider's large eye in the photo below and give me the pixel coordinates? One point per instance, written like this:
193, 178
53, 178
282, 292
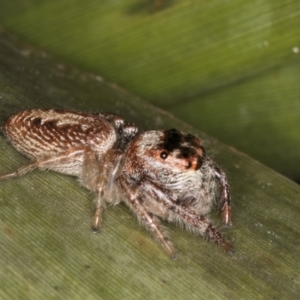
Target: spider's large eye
188, 165
164, 154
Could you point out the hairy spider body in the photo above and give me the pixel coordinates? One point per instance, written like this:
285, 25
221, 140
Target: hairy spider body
158, 174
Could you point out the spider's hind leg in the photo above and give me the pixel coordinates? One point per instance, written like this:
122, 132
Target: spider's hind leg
64, 162
20, 171
98, 175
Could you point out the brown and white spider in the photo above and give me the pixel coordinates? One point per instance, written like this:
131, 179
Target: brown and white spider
158, 174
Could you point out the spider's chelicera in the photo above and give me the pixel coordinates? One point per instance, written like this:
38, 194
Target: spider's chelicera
158, 174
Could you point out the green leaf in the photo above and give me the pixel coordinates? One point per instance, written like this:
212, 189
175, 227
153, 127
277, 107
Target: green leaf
164, 54
49, 252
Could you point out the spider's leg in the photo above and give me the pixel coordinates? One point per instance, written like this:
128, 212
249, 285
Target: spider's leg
56, 162
224, 197
98, 174
135, 202
198, 223
20, 171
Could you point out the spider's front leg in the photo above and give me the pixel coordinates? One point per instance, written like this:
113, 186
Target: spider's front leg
198, 223
134, 199
225, 198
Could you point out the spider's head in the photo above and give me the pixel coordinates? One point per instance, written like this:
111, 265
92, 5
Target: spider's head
170, 151
179, 150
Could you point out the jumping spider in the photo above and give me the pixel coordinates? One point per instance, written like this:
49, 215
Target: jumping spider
158, 174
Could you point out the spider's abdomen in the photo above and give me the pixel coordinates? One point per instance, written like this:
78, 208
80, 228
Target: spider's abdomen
42, 133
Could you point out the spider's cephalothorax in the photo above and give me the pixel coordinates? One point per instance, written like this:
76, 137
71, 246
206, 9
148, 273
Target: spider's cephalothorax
158, 174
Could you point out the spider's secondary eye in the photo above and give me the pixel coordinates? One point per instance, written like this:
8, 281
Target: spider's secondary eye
164, 154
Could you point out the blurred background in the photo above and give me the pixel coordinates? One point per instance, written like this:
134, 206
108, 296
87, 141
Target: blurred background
230, 68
